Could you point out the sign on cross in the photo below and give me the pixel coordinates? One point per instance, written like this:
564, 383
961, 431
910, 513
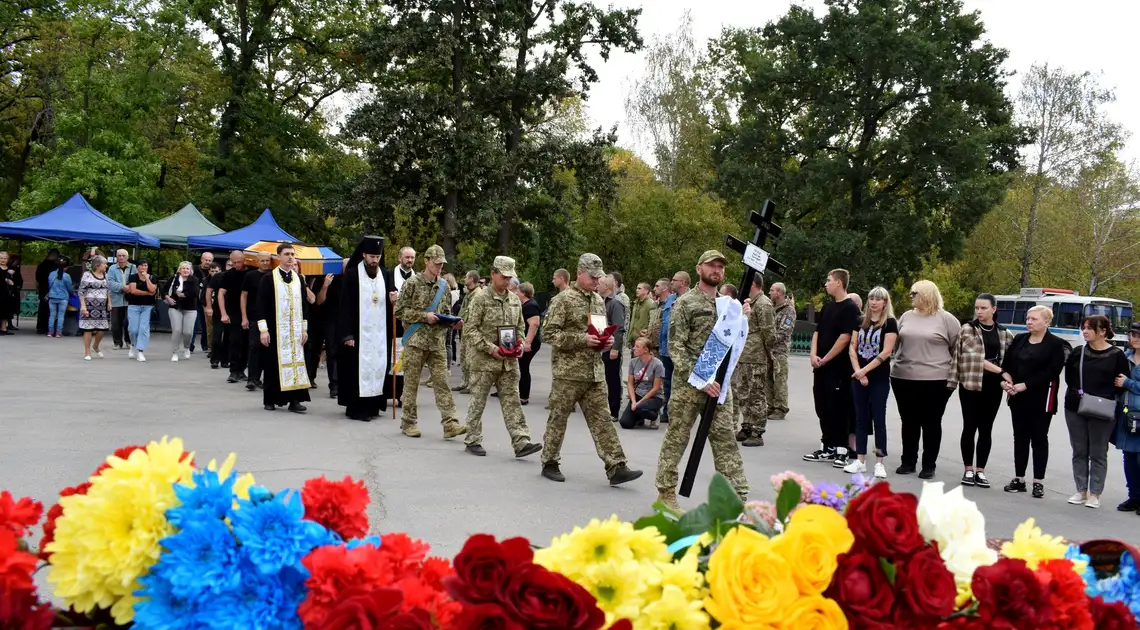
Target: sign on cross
756, 260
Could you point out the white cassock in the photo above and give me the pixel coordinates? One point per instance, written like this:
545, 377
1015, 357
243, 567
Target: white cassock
373, 341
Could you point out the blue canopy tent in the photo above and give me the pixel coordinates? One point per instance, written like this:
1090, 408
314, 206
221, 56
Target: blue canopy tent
75, 221
265, 228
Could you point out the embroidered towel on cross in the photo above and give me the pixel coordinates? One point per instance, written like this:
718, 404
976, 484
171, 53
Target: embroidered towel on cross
730, 332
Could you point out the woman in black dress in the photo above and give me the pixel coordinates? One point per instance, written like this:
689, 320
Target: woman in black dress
532, 315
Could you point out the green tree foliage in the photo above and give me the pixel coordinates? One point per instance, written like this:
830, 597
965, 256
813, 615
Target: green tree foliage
880, 125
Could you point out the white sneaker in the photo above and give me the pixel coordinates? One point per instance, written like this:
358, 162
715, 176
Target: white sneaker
174, 359
855, 467
142, 359
1078, 499
185, 354
1093, 501
131, 353
86, 357
99, 353
880, 471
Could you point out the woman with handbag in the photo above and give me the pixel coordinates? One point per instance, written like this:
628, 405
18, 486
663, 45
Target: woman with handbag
1126, 436
1090, 406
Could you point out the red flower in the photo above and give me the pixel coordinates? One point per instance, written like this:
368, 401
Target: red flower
19, 516
338, 505
1114, 616
16, 565
962, 623
861, 589
484, 565
1067, 595
926, 587
366, 611
1010, 597
415, 619
884, 523
541, 599
21, 610
484, 617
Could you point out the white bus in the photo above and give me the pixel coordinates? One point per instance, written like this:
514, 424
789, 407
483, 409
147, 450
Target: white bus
1069, 309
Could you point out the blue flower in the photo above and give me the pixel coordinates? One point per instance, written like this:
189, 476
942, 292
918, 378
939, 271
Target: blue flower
367, 540
274, 534
261, 602
201, 559
829, 494
161, 609
208, 498
1073, 554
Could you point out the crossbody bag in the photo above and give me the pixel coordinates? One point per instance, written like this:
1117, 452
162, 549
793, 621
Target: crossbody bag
1094, 406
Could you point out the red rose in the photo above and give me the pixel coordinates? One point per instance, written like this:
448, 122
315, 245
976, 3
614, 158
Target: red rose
1114, 616
414, 619
484, 617
484, 565
861, 589
926, 587
962, 623
367, 611
539, 599
1010, 597
885, 523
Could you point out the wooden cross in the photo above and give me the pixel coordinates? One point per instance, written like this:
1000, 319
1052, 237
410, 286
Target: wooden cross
756, 260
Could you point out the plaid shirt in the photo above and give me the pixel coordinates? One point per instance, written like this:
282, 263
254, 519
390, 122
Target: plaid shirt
968, 364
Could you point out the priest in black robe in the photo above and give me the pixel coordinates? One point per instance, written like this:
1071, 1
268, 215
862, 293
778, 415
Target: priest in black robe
364, 332
281, 305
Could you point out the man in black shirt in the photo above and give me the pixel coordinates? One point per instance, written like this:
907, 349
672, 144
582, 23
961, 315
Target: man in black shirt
322, 328
249, 316
219, 342
832, 376
202, 324
229, 301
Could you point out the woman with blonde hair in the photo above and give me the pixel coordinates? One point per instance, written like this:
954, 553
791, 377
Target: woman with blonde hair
94, 306
928, 337
870, 353
1031, 373
181, 295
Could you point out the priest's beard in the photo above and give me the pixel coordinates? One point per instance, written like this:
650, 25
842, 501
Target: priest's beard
371, 269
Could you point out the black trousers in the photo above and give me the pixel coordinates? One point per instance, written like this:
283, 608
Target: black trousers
831, 389
255, 350
647, 410
220, 344
42, 315
524, 371
119, 326
613, 382
239, 346
1030, 429
921, 405
979, 409
200, 329
322, 334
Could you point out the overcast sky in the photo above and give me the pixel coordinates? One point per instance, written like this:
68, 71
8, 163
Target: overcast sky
1101, 38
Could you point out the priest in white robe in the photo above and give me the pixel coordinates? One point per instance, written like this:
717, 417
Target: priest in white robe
365, 333
284, 330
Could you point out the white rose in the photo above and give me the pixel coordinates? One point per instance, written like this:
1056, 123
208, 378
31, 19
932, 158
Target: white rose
962, 559
950, 519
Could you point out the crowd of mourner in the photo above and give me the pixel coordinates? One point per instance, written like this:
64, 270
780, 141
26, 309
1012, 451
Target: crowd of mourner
375, 331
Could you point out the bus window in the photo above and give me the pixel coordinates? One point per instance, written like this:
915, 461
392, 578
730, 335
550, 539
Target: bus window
1019, 311
1068, 316
1005, 312
1124, 314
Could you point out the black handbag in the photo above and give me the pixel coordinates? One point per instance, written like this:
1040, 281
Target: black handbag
1132, 422
1091, 406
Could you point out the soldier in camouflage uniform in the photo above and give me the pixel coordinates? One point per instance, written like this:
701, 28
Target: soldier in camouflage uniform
471, 281
576, 362
427, 344
493, 309
755, 367
691, 322
659, 293
785, 318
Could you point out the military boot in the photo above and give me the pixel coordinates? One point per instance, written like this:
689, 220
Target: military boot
623, 474
411, 430
743, 433
551, 472
453, 429
754, 439
668, 496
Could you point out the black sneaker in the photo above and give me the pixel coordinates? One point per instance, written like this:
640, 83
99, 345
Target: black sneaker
822, 455
905, 469
623, 474
1131, 505
214, 366
529, 449
232, 378
551, 472
926, 473
296, 407
968, 478
980, 480
1016, 485
250, 386
1038, 490
477, 449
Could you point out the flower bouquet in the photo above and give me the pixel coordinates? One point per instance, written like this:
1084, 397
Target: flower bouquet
150, 540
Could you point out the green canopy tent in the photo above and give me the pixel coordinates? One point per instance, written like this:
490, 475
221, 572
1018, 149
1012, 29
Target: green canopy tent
173, 230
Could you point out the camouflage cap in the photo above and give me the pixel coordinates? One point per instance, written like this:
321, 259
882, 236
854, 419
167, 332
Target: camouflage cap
591, 264
435, 254
710, 256
505, 265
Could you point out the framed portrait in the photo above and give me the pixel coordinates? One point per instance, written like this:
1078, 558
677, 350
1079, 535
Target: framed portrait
507, 337
598, 322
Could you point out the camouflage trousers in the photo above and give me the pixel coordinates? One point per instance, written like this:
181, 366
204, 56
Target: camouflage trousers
506, 379
415, 360
777, 385
752, 397
686, 404
463, 363
564, 394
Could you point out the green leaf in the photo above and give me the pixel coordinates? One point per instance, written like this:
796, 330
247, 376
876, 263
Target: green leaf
724, 504
696, 521
667, 526
788, 499
889, 569
659, 506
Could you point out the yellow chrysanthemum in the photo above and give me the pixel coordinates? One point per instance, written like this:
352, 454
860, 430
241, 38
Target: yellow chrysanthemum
109, 537
1032, 545
673, 611
617, 585
243, 482
685, 575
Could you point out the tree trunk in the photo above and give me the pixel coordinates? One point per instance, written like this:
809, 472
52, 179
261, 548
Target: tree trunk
451, 199
21, 168
1030, 230
514, 136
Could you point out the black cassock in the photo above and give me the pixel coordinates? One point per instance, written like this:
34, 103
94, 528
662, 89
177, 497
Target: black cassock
348, 357
267, 310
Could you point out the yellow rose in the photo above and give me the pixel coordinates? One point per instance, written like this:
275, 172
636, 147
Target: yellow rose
750, 585
815, 537
815, 613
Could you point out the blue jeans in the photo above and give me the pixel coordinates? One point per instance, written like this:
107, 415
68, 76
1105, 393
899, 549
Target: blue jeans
57, 310
871, 406
668, 386
138, 325
1132, 474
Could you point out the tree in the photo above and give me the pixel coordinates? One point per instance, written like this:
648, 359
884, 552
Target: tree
881, 127
1106, 221
664, 109
1070, 132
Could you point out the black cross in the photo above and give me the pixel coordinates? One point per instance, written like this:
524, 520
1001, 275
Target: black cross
764, 228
